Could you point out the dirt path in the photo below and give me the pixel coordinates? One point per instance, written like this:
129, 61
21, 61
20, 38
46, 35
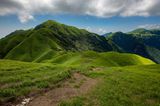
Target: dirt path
77, 85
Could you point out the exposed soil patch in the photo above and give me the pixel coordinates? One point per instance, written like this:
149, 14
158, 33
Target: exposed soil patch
77, 85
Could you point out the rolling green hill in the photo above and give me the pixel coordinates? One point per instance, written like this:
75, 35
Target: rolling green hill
22, 77
12, 40
89, 58
49, 37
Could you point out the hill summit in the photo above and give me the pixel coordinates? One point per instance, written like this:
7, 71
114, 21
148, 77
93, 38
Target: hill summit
48, 38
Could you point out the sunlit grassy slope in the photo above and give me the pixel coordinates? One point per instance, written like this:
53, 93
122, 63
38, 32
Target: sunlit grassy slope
122, 86
21, 78
98, 59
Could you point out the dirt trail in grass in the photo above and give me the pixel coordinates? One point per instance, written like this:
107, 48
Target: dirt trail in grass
76, 86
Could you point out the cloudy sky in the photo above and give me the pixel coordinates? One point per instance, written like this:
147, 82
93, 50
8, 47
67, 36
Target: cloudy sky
100, 16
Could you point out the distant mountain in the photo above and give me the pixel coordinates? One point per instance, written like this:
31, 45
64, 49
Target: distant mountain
140, 31
48, 38
145, 32
141, 41
107, 34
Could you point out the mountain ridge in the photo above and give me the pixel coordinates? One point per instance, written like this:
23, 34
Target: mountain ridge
141, 44
51, 37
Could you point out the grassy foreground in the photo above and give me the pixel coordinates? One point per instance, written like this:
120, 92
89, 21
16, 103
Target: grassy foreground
122, 84
21, 78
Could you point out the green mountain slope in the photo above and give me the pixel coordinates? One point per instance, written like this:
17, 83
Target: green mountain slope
91, 58
12, 40
50, 37
24, 78
142, 42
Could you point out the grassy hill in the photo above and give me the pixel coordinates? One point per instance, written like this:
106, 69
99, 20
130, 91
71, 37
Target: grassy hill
24, 77
49, 37
12, 40
97, 59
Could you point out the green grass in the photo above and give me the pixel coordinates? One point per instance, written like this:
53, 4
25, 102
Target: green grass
127, 86
20, 78
77, 101
89, 58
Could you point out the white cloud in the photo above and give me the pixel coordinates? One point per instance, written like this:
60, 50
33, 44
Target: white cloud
26, 9
150, 26
97, 30
24, 17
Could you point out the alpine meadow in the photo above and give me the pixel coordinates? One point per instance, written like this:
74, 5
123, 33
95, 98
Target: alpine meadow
66, 60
